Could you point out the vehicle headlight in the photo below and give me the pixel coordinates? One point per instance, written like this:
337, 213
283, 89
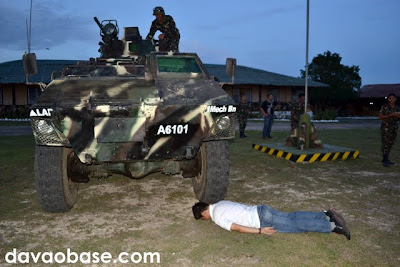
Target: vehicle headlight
44, 127
223, 123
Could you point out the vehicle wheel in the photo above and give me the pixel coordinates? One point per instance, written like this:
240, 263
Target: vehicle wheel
56, 191
212, 181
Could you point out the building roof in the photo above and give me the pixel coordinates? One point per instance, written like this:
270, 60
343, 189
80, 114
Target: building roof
12, 72
246, 75
379, 90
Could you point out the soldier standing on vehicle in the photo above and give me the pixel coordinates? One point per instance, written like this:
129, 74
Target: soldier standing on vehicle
169, 37
389, 114
243, 112
296, 110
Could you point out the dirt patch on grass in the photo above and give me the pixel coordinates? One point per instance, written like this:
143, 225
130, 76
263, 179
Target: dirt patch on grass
106, 209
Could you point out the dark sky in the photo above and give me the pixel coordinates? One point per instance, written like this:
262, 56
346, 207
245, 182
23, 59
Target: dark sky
268, 35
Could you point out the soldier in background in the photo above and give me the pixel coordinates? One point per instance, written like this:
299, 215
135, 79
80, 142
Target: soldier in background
296, 110
243, 112
169, 37
389, 114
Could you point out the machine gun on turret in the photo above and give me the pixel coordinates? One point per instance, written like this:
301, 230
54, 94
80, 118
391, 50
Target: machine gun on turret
111, 45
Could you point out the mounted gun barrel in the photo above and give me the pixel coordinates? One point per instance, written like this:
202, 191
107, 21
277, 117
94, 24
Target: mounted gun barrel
100, 26
111, 45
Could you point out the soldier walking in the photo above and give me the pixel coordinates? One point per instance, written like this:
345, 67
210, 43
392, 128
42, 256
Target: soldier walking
243, 112
169, 37
389, 114
296, 110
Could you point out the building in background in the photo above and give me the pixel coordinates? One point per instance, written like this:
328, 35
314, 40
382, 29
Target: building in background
14, 91
373, 96
254, 83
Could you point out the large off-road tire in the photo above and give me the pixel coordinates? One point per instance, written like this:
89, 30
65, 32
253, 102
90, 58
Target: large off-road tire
212, 181
56, 191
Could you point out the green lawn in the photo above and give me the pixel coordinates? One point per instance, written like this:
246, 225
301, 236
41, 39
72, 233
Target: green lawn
153, 214
15, 123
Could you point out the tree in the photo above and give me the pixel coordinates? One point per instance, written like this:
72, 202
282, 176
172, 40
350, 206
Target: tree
344, 81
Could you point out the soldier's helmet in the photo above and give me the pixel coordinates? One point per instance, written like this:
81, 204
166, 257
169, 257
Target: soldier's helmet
158, 10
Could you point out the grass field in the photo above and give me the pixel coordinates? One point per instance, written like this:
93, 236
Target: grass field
15, 123
154, 214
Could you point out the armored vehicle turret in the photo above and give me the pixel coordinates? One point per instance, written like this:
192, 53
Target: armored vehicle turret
133, 111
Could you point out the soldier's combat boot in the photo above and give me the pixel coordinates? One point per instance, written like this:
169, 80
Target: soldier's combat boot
385, 161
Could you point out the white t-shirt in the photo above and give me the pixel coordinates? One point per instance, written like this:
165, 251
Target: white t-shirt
225, 213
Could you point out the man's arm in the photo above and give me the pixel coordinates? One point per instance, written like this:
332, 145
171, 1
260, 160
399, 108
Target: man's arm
153, 29
263, 112
391, 115
249, 230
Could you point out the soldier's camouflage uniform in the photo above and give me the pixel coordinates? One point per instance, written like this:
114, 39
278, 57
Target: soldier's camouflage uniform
168, 28
296, 110
388, 128
242, 113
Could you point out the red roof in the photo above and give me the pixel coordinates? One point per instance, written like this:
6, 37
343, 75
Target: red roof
379, 90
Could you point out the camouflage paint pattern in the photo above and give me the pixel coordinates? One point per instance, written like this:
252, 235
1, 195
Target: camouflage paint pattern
243, 113
296, 110
125, 110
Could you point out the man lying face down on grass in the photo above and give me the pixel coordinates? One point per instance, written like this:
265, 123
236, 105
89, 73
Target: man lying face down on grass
263, 219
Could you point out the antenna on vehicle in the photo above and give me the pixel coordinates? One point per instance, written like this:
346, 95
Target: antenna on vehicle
30, 65
231, 68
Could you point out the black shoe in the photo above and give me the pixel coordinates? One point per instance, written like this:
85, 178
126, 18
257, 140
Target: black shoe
332, 212
390, 162
342, 230
269, 137
386, 163
338, 220
340, 224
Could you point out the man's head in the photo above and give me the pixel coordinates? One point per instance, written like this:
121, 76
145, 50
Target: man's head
392, 98
159, 13
201, 211
301, 97
270, 97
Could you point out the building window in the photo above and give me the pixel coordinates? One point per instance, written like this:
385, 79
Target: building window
236, 95
33, 95
249, 95
274, 92
7, 96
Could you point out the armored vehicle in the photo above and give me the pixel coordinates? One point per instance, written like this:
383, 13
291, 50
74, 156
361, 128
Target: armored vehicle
132, 111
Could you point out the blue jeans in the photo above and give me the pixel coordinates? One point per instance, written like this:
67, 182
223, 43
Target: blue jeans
293, 222
267, 126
